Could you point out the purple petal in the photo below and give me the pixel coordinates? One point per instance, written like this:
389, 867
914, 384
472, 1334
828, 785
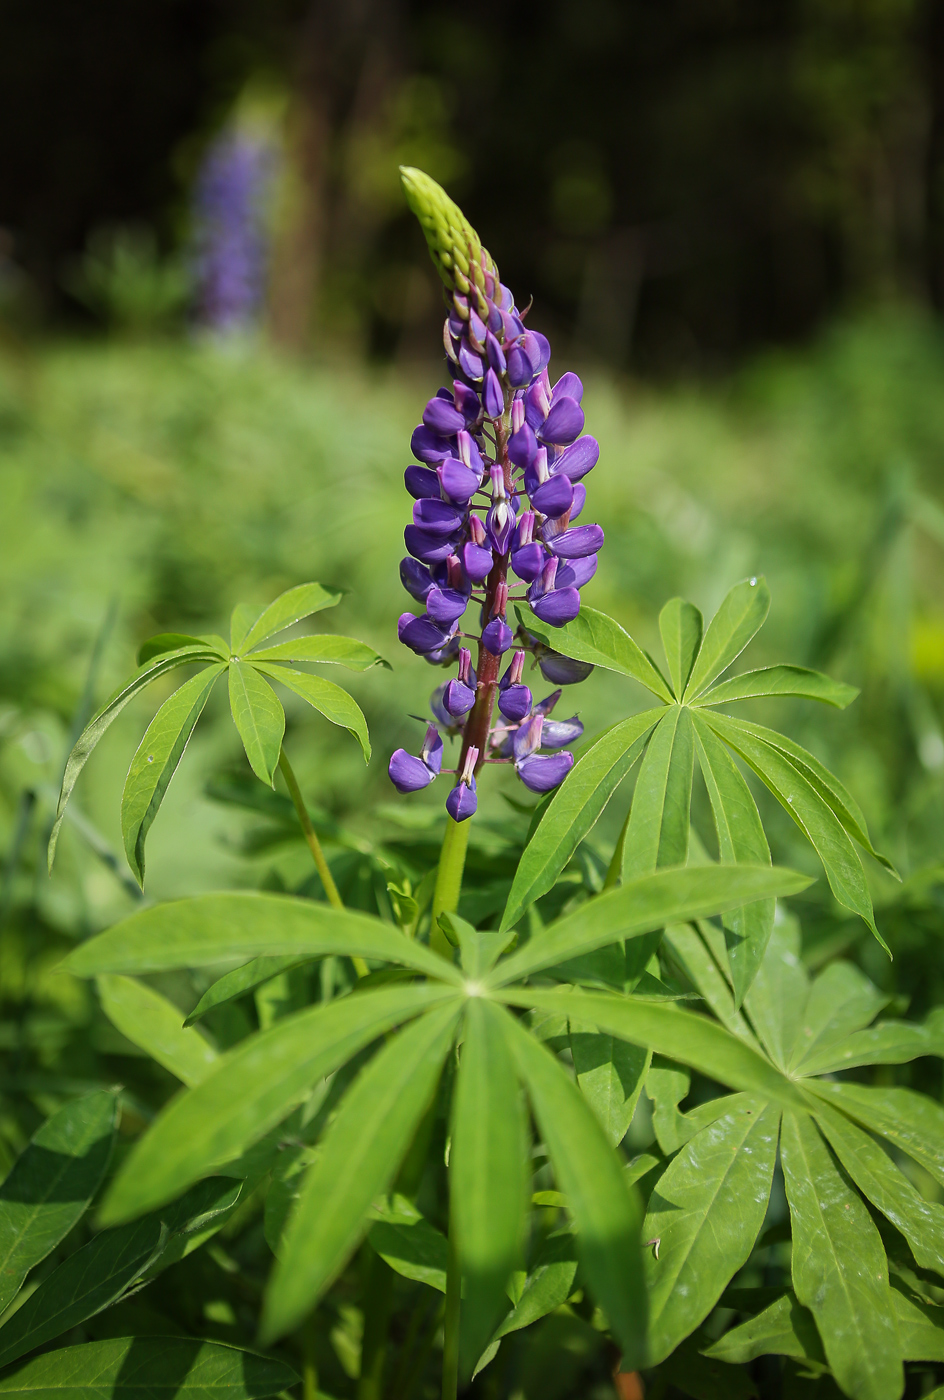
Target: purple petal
437, 517
440, 713
444, 656
493, 398
467, 402
462, 802
499, 524
577, 572
534, 405
558, 607
421, 634
558, 732
526, 739
568, 384
523, 446
515, 702
496, 355
432, 750
545, 706
421, 482
574, 544
441, 416
520, 368
408, 773
458, 699
564, 423
542, 772
563, 670
429, 446
415, 579
553, 497
477, 561
538, 348
579, 501
580, 458
446, 605
497, 636
422, 545
528, 561
470, 362
458, 483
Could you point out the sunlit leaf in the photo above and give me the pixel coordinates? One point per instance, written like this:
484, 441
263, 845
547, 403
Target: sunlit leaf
666, 1087
888, 1043
785, 1328
842, 1000
689, 951
741, 614
173, 641
325, 697
782, 680
920, 1328
154, 1024
288, 608
549, 1283
839, 1267
360, 1155
911, 1122
411, 1246
340, 651
259, 719
240, 981
680, 625
777, 997
659, 821
594, 637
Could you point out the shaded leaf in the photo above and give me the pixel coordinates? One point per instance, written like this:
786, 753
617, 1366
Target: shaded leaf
785, 1328
251, 1090
548, 1285
259, 719
154, 1024
611, 1074
777, 997
688, 949
707, 1210
51, 1184
659, 820
173, 641
680, 625
839, 1267
666, 1087
741, 614
594, 637
842, 1000
328, 647
910, 1121
405, 1240
920, 1327
327, 698
360, 1155
156, 760
782, 680
288, 608
573, 810
478, 948
149, 1368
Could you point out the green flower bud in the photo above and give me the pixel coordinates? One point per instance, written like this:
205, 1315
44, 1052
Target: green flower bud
454, 245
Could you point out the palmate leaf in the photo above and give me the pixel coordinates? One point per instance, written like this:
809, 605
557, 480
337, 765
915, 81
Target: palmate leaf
51, 1185
659, 822
173, 641
573, 810
360, 1155
328, 647
706, 1211
548, 1285
911, 1122
888, 1043
680, 625
604, 1208
689, 950
325, 697
487, 1183
795, 681
741, 614
259, 719
610, 1074
839, 1267
99, 723
594, 637
740, 839
842, 1000
289, 608
784, 1328
211, 928
149, 1368
641, 905
156, 760
153, 1023
778, 995
251, 1090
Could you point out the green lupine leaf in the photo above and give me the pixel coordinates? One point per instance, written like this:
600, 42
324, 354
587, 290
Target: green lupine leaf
782, 680
777, 997
680, 625
666, 1087
683, 1036
691, 1372
478, 948
85, 1283
842, 1000
839, 1267
149, 1368
594, 637
156, 760
887, 1043
99, 723
406, 1240
240, 981
641, 905
741, 839
886, 1186
328, 647
573, 810
911, 1122
174, 641
154, 1024
259, 719
487, 1183
360, 1154
707, 1211
689, 951
785, 1328
325, 697
741, 614
288, 608
920, 1327
831, 790
659, 821
604, 1208
548, 1285
212, 928
51, 1183
812, 814
252, 1089
611, 1074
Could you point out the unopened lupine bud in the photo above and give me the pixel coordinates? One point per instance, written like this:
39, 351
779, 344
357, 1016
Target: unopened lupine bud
442, 417
463, 800
458, 699
497, 637
515, 702
563, 670
446, 605
421, 634
544, 772
454, 246
465, 665
408, 773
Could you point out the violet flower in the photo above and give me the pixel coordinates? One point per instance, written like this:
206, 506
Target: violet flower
231, 240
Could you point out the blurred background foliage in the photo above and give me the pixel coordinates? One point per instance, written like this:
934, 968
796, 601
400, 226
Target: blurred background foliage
731, 217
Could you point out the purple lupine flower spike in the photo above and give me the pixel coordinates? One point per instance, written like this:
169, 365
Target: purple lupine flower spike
497, 485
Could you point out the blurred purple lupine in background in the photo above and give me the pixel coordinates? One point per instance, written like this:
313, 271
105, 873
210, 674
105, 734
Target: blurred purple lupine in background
230, 230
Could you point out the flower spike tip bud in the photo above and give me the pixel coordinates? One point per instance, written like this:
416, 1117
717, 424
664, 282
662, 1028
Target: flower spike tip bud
454, 245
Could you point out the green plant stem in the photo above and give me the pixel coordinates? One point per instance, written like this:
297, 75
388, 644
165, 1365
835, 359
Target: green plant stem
448, 882
309, 1369
450, 1371
378, 1302
615, 871
314, 845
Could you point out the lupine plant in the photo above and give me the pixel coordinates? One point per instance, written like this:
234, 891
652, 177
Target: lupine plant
430, 1110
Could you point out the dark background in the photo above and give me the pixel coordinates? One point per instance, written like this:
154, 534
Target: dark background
675, 183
